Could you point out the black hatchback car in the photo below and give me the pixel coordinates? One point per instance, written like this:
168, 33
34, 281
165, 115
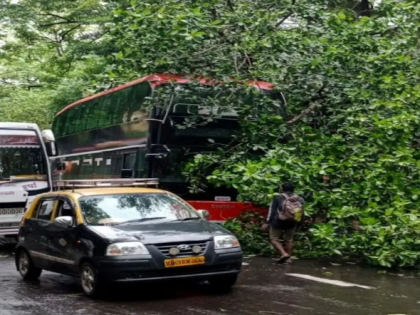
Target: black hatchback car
124, 235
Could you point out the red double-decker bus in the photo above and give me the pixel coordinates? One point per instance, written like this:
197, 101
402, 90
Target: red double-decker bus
152, 127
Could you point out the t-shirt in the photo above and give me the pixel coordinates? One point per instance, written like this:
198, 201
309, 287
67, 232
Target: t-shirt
273, 213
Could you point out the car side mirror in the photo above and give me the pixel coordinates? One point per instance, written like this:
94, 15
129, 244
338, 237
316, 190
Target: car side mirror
204, 214
64, 222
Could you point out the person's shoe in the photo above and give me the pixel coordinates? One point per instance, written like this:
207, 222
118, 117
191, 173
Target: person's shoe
283, 259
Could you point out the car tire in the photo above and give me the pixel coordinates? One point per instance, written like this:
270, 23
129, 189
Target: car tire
90, 280
223, 284
27, 269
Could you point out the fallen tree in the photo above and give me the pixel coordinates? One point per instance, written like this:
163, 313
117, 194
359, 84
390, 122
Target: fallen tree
350, 138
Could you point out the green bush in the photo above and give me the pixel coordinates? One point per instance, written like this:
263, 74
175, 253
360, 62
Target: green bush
253, 239
392, 241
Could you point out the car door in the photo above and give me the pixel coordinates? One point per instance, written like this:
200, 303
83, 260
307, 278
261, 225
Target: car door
36, 232
62, 239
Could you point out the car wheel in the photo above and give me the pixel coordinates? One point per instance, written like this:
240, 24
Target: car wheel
27, 269
89, 279
223, 284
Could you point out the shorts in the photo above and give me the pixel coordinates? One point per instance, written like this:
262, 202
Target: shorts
277, 233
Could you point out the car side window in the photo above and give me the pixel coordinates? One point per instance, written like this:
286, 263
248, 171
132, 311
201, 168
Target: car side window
64, 209
44, 210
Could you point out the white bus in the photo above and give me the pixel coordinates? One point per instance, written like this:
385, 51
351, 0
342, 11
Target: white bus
24, 171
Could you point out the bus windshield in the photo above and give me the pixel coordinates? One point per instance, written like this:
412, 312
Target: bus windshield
193, 114
205, 100
21, 155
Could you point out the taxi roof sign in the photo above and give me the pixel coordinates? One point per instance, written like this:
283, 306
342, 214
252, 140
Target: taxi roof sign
103, 183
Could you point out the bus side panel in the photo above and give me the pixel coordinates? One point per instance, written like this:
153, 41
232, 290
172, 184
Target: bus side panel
103, 165
128, 134
115, 120
222, 211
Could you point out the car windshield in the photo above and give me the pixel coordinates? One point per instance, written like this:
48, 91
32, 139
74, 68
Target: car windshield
122, 208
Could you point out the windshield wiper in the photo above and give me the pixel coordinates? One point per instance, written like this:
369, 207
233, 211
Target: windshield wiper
140, 220
188, 219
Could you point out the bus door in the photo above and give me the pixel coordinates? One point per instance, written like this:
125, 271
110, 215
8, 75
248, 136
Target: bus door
128, 164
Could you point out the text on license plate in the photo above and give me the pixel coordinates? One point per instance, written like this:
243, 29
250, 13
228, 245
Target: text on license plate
186, 261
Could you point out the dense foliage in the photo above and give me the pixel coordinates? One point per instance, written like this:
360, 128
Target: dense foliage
350, 139
51, 53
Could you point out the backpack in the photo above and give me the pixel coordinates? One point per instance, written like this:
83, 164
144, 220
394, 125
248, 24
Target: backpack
292, 209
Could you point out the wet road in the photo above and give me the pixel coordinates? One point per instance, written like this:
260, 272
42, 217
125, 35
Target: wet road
263, 288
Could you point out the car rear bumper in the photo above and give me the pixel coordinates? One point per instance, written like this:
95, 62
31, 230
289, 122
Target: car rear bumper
142, 270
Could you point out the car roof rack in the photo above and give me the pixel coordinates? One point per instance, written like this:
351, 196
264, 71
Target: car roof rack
105, 183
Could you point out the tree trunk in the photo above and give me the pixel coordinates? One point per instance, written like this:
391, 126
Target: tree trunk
365, 8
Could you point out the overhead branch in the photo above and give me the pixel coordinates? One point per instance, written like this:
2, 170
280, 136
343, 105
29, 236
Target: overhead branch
204, 51
29, 87
64, 34
283, 20
58, 23
49, 39
365, 8
57, 16
302, 114
230, 5
311, 106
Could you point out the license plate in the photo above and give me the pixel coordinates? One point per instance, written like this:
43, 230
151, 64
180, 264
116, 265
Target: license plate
187, 261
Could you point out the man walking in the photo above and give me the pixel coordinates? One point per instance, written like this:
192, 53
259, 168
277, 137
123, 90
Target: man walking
286, 213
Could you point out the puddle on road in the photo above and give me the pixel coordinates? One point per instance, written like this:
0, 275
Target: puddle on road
269, 288
329, 281
206, 312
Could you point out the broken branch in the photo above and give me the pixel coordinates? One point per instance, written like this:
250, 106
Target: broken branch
310, 108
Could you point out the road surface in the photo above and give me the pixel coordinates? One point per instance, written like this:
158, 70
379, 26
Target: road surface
264, 288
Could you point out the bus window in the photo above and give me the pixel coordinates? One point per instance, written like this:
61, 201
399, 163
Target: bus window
128, 164
141, 166
77, 120
93, 121
106, 109
107, 163
69, 120
116, 163
63, 130
114, 110
57, 126
98, 166
129, 160
133, 99
86, 169
83, 117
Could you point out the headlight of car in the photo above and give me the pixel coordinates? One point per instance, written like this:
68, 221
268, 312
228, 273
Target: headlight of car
128, 248
226, 241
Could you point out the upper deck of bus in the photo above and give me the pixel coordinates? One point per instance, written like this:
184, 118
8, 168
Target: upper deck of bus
156, 80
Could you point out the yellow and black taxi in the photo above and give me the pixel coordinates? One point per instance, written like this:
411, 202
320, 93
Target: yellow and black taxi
124, 234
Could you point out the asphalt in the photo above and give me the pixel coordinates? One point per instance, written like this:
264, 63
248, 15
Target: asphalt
263, 288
